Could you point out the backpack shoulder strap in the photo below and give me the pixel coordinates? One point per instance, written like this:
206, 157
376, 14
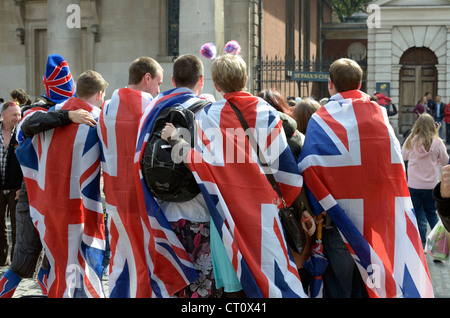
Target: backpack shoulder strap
199, 105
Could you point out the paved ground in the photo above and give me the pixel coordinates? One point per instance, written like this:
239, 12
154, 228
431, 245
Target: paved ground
30, 287
439, 272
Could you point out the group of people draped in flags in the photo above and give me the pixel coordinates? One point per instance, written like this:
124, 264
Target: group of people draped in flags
228, 241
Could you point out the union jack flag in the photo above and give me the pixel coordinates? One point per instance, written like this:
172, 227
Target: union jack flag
169, 264
242, 203
353, 169
61, 169
117, 129
58, 81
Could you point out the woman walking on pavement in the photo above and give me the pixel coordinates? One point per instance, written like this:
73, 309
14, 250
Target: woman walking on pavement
425, 153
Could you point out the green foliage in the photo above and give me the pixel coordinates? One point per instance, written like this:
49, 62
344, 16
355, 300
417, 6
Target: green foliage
345, 8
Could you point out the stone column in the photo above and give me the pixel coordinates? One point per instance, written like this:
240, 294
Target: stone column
202, 21
62, 37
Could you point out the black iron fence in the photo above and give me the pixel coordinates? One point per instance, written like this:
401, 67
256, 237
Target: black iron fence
294, 78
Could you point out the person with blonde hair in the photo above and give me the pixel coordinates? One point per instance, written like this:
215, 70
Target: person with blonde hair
425, 153
253, 258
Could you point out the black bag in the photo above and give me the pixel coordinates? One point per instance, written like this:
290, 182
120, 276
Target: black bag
289, 216
166, 179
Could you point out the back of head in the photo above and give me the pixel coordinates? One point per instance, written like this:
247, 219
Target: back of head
277, 101
20, 95
187, 70
90, 83
229, 72
140, 67
346, 75
303, 111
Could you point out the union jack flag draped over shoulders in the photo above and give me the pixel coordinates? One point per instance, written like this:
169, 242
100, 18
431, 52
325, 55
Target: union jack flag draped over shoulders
117, 129
168, 262
61, 169
353, 169
242, 202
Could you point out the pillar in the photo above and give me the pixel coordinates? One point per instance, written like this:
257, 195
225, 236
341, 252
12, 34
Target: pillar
198, 26
64, 38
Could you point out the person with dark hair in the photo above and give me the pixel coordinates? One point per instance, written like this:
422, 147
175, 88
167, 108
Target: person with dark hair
294, 137
189, 218
441, 194
18, 95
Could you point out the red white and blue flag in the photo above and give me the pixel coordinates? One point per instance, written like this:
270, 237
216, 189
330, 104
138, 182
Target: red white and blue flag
242, 202
169, 265
61, 168
353, 169
117, 129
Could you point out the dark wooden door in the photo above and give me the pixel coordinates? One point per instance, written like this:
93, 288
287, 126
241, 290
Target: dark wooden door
418, 75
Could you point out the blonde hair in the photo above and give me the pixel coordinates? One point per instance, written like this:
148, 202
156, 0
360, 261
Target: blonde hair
229, 72
90, 83
303, 111
423, 133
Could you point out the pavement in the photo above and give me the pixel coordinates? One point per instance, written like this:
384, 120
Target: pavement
29, 287
439, 273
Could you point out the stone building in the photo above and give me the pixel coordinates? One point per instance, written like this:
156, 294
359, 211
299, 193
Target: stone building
107, 35
409, 51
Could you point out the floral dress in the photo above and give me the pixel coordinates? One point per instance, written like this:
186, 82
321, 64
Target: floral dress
195, 237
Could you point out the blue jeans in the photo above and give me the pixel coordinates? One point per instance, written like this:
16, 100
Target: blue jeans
441, 130
425, 209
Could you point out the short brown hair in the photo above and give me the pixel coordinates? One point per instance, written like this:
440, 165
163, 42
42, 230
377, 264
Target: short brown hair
90, 83
346, 75
187, 70
140, 67
20, 95
229, 72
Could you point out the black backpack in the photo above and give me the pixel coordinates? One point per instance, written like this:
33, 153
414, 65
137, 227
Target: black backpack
167, 180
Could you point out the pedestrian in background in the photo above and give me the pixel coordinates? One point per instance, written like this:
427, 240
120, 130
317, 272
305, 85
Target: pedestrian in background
303, 111
421, 107
11, 176
425, 153
447, 123
438, 114
441, 194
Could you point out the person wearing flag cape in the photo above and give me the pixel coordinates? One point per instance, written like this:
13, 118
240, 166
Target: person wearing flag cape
117, 129
64, 164
353, 170
37, 119
242, 203
183, 227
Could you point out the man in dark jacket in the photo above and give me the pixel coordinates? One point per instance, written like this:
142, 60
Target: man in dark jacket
441, 194
11, 176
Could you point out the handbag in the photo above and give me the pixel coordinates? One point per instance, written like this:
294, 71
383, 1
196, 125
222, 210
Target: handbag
289, 216
437, 243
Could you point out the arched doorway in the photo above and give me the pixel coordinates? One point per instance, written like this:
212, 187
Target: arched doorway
418, 75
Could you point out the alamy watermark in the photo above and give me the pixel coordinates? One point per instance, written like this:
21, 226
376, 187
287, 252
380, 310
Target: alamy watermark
374, 18
74, 19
